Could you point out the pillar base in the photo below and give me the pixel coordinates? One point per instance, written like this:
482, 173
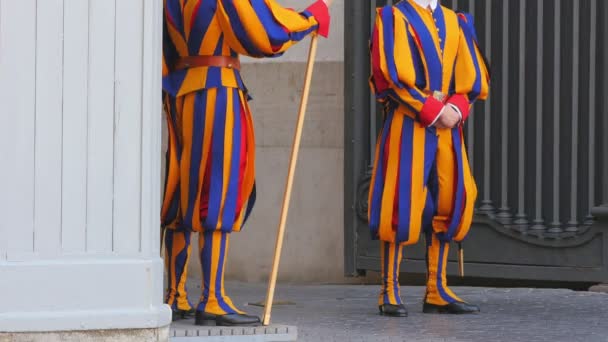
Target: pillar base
128, 335
82, 293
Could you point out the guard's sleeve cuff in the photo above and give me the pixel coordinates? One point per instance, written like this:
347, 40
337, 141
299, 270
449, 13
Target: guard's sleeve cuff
460, 101
431, 110
320, 11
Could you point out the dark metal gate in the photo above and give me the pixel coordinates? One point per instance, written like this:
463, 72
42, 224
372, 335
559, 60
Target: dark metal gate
538, 147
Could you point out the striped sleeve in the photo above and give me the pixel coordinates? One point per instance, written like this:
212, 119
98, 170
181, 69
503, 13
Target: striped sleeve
263, 28
394, 71
471, 75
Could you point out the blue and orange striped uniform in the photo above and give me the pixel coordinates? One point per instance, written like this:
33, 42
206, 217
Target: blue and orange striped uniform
210, 184
421, 178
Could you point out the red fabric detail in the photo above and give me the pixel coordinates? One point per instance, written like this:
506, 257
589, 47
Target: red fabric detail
243, 163
195, 12
430, 110
204, 205
461, 102
320, 11
379, 80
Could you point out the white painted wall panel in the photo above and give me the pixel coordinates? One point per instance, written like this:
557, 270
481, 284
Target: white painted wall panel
100, 172
49, 126
75, 112
127, 125
151, 130
79, 182
17, 125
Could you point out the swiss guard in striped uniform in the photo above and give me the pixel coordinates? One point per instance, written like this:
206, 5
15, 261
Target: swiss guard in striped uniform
428, 71
210, 184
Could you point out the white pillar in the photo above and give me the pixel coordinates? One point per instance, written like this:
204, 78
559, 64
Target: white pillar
79, 175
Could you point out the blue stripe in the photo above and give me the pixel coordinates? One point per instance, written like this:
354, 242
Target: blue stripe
440, 275
418, 66
173, 82
169, 50
175, 12
173, 211
198, 129
250, 204
170, 268
232, 193
459, 196
376, 203
274, 30
180, 261
385, 275
396, 273
405, 179
217, 158
389, 43
393, 94
240, 31
471, 38
206, 265
214, 74
200, 26
430, 179
220, 275
440, 22
433, 60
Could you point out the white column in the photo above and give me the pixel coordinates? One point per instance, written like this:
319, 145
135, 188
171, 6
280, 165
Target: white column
80, 175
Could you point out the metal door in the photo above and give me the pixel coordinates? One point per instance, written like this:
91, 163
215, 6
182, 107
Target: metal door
538, 148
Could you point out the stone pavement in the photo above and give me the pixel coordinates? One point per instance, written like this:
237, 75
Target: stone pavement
349, 313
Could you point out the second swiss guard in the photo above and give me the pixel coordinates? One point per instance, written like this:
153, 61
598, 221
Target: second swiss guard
427, 70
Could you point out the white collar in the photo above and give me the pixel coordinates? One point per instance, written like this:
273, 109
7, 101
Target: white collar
426, 3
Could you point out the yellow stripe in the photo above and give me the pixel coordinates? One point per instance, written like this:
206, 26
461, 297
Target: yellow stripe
173, 167
215, 255
402, 53
211, 38
187, 15
178, 41
254, 28
374, 172
391, 271
450, 49
187, 136
229, 34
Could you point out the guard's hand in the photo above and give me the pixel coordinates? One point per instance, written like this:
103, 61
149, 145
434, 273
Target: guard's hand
449, 118
328, 2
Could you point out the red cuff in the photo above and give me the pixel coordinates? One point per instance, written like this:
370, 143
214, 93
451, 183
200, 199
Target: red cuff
462, 103
320, 11
430, 110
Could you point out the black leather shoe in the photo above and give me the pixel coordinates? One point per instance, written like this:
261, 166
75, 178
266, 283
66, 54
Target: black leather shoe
207, 319
393, 310
452, 308
183, 314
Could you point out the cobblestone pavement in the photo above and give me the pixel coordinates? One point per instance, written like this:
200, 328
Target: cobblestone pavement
349, 313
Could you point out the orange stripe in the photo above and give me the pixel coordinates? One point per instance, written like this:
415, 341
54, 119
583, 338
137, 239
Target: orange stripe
386, 231
450, 49
471, 197
445, 174
418, 188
